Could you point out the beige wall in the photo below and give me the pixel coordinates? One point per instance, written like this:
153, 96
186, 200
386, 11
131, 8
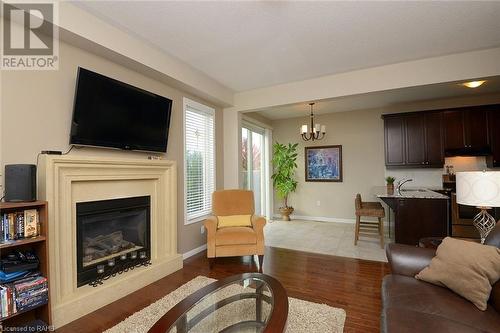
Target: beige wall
361, 134
36, 115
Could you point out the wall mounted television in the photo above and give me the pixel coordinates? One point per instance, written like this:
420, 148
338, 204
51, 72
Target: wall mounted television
110, 113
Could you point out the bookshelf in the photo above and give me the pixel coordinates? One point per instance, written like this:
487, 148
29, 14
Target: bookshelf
39, 245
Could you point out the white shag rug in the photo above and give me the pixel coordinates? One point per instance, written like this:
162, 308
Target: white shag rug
303, 316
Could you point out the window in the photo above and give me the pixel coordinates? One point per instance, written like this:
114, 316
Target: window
199, 160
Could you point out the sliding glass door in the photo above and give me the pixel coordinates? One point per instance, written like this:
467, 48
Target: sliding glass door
254, 165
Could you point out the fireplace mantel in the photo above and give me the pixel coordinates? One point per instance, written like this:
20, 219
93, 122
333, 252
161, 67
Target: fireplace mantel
66, 180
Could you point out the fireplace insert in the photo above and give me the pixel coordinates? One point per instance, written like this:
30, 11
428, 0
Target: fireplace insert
109, 231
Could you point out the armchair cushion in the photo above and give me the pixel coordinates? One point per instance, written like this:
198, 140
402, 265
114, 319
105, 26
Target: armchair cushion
234, 221
235, 236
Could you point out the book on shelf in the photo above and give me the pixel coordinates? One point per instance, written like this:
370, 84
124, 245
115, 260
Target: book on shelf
19, 225
31, 223
12, 226
23, 295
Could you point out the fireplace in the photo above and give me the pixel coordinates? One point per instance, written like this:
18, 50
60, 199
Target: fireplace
111, 233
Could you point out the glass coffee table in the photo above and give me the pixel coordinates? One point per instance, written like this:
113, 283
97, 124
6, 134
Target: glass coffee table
250, 302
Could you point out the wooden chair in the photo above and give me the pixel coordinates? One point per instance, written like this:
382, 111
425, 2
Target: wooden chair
371, 228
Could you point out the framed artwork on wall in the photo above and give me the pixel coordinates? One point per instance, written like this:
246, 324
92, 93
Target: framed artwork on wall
323, 163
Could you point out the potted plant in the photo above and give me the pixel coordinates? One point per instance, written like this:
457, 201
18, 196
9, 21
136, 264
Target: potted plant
390, 184
284, 163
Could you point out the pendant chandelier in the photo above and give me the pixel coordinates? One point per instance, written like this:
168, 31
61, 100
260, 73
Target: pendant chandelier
315, 132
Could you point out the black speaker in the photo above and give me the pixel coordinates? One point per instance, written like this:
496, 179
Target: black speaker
20, 182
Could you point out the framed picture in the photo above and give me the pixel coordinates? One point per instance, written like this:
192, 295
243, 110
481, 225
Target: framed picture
323, 163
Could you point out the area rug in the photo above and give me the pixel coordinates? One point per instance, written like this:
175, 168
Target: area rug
303, 316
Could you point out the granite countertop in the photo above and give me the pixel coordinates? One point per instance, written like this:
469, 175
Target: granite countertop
408, 192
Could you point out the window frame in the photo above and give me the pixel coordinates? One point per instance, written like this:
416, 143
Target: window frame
188, 103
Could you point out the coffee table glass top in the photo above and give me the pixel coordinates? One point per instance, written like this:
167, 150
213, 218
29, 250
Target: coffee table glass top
241, 303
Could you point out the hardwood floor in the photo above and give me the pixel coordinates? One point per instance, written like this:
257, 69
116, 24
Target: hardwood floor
351, 284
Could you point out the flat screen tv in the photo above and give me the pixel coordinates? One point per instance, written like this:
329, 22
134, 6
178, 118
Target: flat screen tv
110, 113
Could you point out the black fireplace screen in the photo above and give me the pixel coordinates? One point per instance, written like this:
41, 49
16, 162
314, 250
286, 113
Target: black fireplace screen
108, 230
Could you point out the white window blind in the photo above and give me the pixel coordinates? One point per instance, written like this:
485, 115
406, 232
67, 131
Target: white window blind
199, 157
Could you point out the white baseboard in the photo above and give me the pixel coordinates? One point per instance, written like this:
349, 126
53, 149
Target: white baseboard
318, 218
194, 251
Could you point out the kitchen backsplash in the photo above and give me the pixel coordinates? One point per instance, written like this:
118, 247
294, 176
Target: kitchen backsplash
433, 177
467, 163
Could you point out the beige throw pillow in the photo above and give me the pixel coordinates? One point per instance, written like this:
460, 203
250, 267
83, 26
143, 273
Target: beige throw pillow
467, 268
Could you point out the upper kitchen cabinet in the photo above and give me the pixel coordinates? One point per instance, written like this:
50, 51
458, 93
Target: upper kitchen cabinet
394, 133
422, 139
466, 131
454, 131
414, 140
434, 146
494, 132
476, 128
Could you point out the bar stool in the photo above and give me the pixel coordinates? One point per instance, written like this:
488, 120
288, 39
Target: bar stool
372, 228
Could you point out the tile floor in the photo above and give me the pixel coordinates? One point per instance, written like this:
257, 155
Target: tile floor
323, 237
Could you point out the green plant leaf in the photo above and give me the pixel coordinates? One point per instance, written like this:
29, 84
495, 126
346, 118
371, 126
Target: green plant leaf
284, 164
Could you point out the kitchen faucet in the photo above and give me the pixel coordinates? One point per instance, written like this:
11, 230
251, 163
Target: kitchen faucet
401, 182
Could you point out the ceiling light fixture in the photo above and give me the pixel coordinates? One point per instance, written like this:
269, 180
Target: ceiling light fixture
315, 132
473, 84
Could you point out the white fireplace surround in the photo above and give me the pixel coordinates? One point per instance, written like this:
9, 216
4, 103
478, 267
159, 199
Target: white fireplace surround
66, 180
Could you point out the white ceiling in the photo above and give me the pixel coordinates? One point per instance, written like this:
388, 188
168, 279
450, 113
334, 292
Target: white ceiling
386, 99
248, 45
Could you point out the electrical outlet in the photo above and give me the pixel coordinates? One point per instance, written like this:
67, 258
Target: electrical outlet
318, 203
202, 229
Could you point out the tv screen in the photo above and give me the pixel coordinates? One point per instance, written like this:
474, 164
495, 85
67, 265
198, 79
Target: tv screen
110, 113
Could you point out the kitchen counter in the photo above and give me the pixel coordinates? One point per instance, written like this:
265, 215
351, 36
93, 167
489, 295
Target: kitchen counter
407, 193
418, 213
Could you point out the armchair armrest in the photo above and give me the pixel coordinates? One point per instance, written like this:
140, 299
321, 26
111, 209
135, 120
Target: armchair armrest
258, 223
408, 260
210, 224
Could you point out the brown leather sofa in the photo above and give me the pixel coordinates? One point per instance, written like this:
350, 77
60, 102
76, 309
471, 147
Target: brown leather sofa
410, 305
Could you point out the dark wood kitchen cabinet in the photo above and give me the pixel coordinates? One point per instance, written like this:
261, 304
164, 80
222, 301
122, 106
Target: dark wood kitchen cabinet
476, 127
434, 139
466, 130
414, 140
417, 218
430, 221
423, 139
394, 141
454, 131
494, 132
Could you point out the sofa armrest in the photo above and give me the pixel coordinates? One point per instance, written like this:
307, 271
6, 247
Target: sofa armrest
210, 224
408, 260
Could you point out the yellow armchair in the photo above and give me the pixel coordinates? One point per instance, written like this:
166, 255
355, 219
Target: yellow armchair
234, 241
